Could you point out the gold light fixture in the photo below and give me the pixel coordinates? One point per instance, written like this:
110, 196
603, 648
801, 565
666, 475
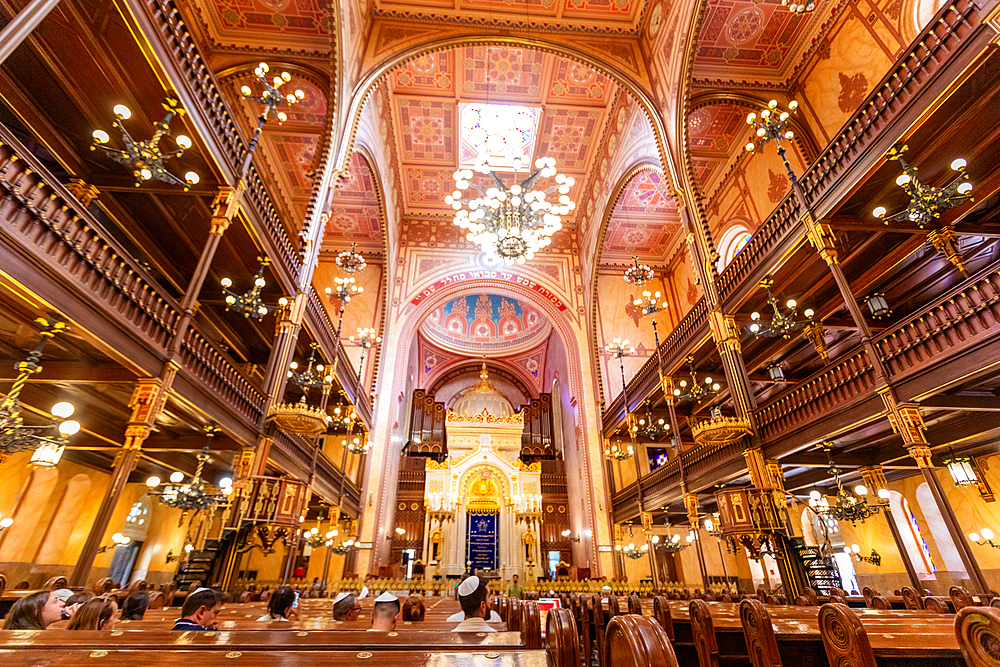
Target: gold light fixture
145, 158
250, 304
299, 418
771, 124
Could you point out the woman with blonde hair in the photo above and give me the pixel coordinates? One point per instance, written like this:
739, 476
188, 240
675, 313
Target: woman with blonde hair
99, 613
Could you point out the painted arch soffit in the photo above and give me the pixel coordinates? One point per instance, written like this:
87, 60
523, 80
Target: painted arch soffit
486, 325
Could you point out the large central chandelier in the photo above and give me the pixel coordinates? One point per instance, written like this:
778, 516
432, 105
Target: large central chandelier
511, 223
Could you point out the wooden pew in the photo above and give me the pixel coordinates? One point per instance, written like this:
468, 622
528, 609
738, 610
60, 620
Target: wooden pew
344, 658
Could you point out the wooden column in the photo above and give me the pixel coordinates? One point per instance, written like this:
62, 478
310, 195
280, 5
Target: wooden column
22, 25
146, 402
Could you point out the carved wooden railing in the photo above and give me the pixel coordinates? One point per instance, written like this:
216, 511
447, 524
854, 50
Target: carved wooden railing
200, 81
943, 49
214, 370
59, 233
764, 246
916, 71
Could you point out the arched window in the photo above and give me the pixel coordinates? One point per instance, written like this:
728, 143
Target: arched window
909, 533
939, 531
733, 240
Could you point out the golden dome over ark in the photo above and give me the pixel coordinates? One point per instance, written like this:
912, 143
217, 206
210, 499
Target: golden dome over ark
483, 397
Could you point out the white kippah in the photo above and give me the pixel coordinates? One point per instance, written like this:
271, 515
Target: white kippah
468, 587
340, 596
606, 589
387, 597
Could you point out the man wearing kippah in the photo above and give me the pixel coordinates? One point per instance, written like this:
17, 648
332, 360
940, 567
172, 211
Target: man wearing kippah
346, 607
385, 612
474, 596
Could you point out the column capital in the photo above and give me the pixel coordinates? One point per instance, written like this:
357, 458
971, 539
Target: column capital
147, 400
725, 331
691, 505
922, 455
821, 237
82, 190
905, 419
224, 207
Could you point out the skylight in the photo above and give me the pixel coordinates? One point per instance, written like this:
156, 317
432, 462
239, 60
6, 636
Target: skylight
499, 131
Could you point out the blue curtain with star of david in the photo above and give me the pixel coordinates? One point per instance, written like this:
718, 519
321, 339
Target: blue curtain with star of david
481, 539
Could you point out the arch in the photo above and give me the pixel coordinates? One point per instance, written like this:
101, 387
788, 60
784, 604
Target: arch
137, 521
909, 533
939, 531
915, 15
609, 210
370, 79
510, 372
732, 241
485, 471
407, 333
64, 520
28, 514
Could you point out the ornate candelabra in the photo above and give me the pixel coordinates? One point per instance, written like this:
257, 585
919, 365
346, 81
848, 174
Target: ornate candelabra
772, 125
780, 325
343, 415
671, 545
926, 202
650, 428
357, 444
313, 376
48, 440
250, 304
145, 158
619, 349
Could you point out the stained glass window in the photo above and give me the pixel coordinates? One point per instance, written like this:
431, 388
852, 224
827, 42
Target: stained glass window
499, 131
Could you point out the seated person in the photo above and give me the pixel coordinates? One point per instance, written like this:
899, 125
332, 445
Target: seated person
491, 617
280, 606
413, 608
34, 612
99, 613
199, 611
384, 613
65, 594
346, 607
474, 596
135, 606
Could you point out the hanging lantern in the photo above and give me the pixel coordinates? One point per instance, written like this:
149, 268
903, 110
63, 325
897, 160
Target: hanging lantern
962, 470
776, 373
878, 306
48, 453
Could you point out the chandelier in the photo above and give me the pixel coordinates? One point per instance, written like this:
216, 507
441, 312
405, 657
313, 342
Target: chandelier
197, 494
926, 202
511, 224
772, 123
351, 260
145, 158
618, 452
780, 325
343, 415
357, 445
344, 548
312, 377
639, 274
849, 507
250, 304
46, 441
695, 391
366, 339
630, 550
272, 96
671, 545
650, 428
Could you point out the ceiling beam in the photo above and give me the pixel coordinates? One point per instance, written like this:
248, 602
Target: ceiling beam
73, 372
979, 403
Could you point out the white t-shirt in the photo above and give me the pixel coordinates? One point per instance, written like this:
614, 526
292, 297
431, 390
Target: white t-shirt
460, 616
475, 624
364, 592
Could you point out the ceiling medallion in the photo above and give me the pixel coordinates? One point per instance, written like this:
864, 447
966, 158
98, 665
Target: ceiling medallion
511, 223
